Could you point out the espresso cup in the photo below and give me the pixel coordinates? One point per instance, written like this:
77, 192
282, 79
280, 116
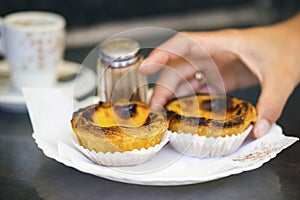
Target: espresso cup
33, 45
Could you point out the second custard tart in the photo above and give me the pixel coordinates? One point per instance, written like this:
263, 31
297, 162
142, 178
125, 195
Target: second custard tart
210, 115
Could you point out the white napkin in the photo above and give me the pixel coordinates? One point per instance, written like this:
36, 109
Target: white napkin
51, 110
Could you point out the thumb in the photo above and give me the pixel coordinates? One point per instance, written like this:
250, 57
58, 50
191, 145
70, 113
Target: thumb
271, 102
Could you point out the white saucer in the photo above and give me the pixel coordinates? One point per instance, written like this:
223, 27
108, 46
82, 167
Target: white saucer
73, 74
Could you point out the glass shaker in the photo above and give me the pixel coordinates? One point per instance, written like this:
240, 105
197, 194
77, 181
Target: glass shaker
119, 78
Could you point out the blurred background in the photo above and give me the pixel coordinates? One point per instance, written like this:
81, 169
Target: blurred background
91, 21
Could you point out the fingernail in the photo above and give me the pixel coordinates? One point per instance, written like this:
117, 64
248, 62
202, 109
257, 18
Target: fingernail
261, 127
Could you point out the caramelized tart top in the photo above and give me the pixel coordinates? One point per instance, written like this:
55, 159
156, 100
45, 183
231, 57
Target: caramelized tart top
204, 110
133, 114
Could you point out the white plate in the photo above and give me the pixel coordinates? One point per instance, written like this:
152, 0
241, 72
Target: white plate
14, 101
169, 167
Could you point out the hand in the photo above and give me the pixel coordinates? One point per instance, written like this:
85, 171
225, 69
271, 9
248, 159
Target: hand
267, 55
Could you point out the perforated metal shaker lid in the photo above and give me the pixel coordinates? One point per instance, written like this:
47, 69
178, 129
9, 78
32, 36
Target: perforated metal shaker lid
119, 52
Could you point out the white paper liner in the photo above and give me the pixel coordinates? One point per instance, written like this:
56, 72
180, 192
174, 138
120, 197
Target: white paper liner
204, 147
127, 158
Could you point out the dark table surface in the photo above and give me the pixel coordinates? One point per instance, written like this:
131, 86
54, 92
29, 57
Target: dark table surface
26, 173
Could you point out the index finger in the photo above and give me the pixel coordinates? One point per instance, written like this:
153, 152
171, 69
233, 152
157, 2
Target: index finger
172, 49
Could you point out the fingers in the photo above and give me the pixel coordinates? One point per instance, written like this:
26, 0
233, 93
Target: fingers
155, 61
172, 49
160, 96
178, 79
162, 93
168, 82
199, 44
195, 49
192, 86
273, 97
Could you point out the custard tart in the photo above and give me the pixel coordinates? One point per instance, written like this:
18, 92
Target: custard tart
206, 125
119, 127
203, 114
